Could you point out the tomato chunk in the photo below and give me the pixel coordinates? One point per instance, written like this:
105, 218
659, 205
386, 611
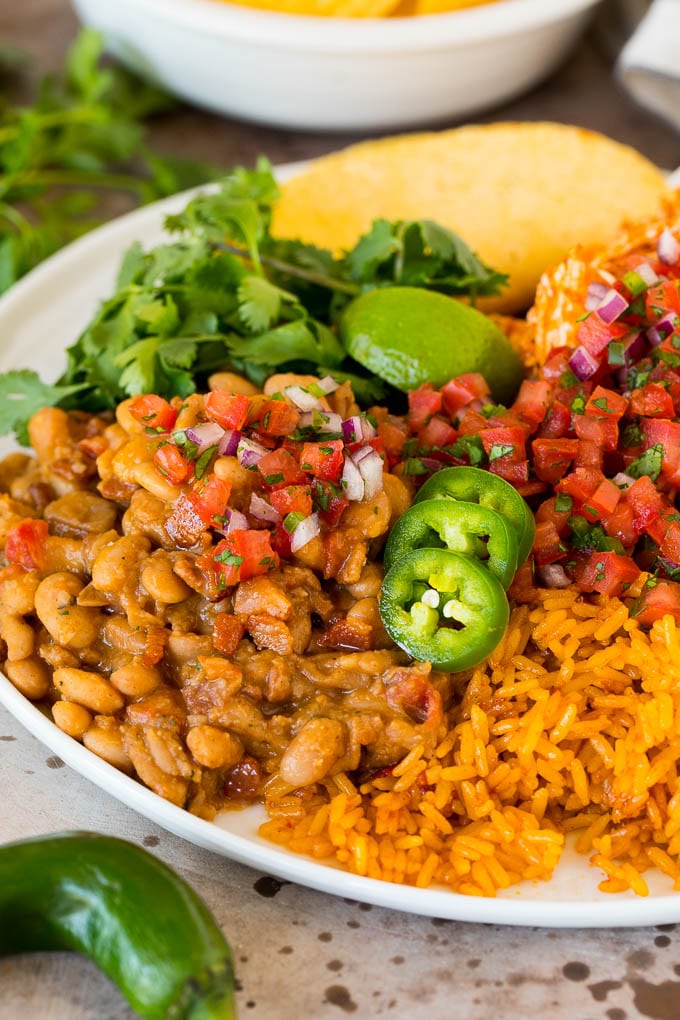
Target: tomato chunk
422, 404
294, 499
552, 457
280, 469
323, 460
230, 410
25, 544
463, 390
658, 600
242, 554
154, 412
608, 573
172, 464
210, 500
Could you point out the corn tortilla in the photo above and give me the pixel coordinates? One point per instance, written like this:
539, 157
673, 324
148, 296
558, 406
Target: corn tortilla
520, 194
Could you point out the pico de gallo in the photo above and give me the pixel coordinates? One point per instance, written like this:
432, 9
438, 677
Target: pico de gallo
592, 442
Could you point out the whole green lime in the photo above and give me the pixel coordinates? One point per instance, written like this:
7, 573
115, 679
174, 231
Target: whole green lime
409, 336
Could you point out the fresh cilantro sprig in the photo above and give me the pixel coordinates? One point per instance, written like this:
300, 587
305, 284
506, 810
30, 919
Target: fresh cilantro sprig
81, 140
224, 293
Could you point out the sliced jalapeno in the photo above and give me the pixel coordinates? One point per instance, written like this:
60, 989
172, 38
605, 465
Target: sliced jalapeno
462, 527
443, 607
474, 485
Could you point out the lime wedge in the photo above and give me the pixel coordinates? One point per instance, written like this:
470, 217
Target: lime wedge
409, 336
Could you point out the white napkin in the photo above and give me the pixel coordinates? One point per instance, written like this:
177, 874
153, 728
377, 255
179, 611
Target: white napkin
649, 64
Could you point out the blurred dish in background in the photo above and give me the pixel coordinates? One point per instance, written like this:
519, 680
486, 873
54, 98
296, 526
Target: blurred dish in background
360, 8
292, 71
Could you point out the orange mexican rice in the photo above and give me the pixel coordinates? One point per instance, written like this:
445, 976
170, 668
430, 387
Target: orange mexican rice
192, 588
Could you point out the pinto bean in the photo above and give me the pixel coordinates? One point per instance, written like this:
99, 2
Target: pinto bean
30, 676
71, 718
17, 590
18, 635
69, 624
312, 752
49, 434
107, 743
135, 680
232, 383
214, 748
88, 689
160, 580
116, 568
262, 595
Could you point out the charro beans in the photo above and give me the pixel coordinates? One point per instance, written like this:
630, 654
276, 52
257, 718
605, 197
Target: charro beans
203, 688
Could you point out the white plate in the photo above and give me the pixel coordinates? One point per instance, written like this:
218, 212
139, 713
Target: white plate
42, 315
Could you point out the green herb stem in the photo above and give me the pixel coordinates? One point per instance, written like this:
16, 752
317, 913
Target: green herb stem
309, 275
72, 179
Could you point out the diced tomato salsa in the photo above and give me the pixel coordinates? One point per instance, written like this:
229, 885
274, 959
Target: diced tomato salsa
593, 443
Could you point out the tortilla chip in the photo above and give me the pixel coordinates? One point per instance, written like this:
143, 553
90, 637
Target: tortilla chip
520, 194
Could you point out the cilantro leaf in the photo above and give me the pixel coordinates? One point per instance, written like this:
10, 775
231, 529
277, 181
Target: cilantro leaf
648, 463
22, 394
260, 302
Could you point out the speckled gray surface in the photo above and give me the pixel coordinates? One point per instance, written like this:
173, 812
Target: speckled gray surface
302, 954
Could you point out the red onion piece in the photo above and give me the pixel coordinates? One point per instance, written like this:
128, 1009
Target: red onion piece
370, 431
326, 423
596, 291
668, 248
204, 435
262, 510
352, 429
611, 306
647, 273
235, 521
328, 384
228, 444
306, 530
635, 348
371, 470
302, 398
623, 480
664, 327
249, 452
362, 452
553, 575
352, 482
583, 364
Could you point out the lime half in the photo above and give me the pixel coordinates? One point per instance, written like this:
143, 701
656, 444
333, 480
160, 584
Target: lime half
409, 336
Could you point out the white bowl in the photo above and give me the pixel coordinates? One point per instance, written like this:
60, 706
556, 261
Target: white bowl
336, 73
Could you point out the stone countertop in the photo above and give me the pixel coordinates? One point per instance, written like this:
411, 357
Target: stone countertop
299, 953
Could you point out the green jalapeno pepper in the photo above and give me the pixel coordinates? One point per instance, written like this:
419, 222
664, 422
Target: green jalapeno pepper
131, 914
474, 485
443, 607
461, 527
